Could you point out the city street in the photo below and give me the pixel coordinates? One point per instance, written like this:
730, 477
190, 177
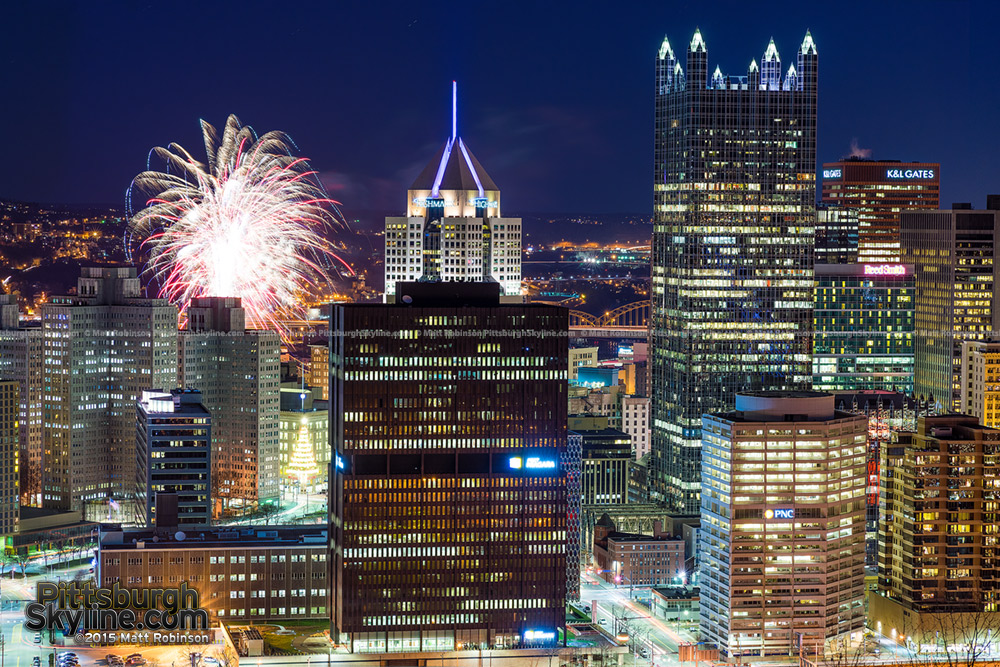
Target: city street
609, 602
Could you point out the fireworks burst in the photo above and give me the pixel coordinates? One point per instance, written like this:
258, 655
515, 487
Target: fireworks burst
250, 223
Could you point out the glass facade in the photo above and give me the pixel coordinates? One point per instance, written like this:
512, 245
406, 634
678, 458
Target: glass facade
732, 266
449, 504
836, 235
863, 328
952, 253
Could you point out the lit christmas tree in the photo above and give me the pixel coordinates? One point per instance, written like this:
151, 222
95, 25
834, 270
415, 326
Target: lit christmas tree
302, 465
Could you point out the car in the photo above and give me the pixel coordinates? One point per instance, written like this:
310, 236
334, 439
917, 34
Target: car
36, 661
38, 637
209, 660
603, 621
67, 654
587, 608
68, 659
644, 653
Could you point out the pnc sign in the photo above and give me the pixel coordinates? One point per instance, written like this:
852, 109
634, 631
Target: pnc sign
913, 174
788, 513
885, 270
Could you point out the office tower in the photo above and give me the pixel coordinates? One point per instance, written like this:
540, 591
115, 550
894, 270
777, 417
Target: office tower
304, 437
173, 444
863, 327
607, 460
319, 369
938, 538
572, 463
238, 372
453, 229
782, 525
888, 414
103, 347
980, 379
732, 262
836, 235
581, 356
635, 423
10, 437
955, 276
449, 513
21, 360
880, 190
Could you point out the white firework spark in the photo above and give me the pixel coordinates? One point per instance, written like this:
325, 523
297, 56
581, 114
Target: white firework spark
250, 223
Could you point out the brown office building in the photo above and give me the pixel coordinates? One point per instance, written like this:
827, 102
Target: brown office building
938, 566
879, 190
449, 503
241, 575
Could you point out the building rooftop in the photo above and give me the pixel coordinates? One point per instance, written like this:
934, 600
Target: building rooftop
259, 537
454, 167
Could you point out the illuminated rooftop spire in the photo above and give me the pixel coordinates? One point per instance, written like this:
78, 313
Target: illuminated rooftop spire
772, 52
791, 79
665, 50
717, 80
753, 65
808, 45
697, 43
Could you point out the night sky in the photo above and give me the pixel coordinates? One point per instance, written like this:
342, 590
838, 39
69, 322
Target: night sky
555, 98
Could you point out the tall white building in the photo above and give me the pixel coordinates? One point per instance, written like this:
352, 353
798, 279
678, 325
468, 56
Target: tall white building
238, 372
635, 422
980, 381
102, 346
453, 229
782, 525
21, 361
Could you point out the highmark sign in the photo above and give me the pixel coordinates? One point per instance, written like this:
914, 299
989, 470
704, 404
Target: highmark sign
913, 174
532, 463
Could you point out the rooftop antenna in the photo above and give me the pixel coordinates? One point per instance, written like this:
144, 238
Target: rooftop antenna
454, 110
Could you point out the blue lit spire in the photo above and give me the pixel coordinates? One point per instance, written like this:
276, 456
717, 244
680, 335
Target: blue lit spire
717, 79
697, 42
808, 45
791, 79
770, 68
666, 53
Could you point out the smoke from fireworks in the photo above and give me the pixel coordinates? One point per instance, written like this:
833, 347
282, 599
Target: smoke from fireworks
250, 223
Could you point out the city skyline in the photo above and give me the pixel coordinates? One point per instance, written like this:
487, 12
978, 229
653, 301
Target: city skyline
542, 129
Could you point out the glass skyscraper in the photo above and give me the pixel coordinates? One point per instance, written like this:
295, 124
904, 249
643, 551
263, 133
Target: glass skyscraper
863, 323
734, 195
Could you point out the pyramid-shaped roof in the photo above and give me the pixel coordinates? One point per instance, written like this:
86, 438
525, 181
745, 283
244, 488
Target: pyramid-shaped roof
454, 167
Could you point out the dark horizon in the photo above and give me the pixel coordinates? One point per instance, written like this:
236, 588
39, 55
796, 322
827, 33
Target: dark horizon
558, 108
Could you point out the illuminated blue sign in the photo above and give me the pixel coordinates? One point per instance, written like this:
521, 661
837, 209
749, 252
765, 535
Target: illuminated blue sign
482, 202
832, 173
340, 462
539, 636
430, 202
532, 463
915, 174
780, 514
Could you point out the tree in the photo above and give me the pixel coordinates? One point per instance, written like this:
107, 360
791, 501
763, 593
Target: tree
22, 560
